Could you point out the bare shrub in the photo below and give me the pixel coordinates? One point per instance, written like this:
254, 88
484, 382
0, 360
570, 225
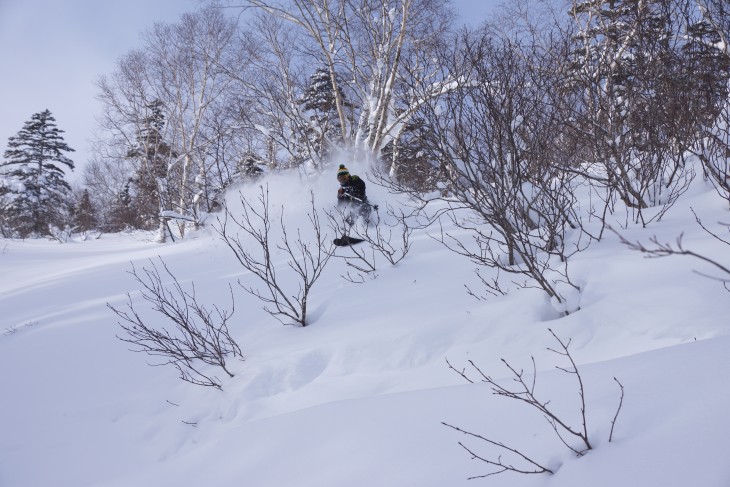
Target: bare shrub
713, 150
392, 243
195, 336
665, 249
649, 79
495, 132
574, 437
255, 252
359, 259
389, 237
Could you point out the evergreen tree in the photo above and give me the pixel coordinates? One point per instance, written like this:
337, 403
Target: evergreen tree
623, 48
85, 214
659, 70
152, 155
5, 229
323, 130
707, 56
35, 192
251, 167
415, 167
705, 62
320, 94
123, 213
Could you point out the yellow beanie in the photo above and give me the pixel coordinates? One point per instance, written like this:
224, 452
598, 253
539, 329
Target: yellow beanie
342, 171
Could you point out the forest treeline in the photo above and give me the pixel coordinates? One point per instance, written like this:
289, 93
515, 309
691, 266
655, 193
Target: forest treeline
508, 118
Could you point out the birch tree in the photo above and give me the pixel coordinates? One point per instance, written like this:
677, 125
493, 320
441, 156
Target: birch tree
364, 44
180, 68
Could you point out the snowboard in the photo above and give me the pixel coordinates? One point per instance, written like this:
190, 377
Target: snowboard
344, 241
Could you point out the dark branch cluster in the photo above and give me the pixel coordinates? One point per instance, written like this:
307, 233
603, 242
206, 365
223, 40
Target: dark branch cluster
191, 337
665, 249
574, 437
254, 249
388, 237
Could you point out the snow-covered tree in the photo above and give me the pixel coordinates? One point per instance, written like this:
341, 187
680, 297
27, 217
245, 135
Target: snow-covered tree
85, 214
704, 58
35, 192
151, 155
182, 67
106, 178
369, 48
320, 94
319, 104
638, 103
251, 167
709, 52
123, 213
716, 13
408, 154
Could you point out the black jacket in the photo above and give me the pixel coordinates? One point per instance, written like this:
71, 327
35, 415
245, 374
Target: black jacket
355, 187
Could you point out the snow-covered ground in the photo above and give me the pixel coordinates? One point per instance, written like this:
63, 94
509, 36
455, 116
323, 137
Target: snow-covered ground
358, 397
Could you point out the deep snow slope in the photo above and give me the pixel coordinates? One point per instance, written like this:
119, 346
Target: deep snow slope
358, 397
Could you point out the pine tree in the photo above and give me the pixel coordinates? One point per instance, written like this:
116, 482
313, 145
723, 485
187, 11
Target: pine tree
152, 155
251, 167
709, 66
323, 130
35, 192
414, 166
657, 67
85, 214
123, 214
320, 94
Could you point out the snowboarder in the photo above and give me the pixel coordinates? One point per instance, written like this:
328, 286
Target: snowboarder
352, 194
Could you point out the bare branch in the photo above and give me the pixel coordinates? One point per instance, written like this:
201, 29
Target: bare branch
618, 409
524, 391
305, 258
660, 249
503, 467
461, 372
198, 336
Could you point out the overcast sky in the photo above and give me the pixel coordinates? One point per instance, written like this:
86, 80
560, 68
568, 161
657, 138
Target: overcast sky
52, 51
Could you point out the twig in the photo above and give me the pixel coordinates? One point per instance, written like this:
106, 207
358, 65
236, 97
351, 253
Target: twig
618, 410
498, 463
525, 392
